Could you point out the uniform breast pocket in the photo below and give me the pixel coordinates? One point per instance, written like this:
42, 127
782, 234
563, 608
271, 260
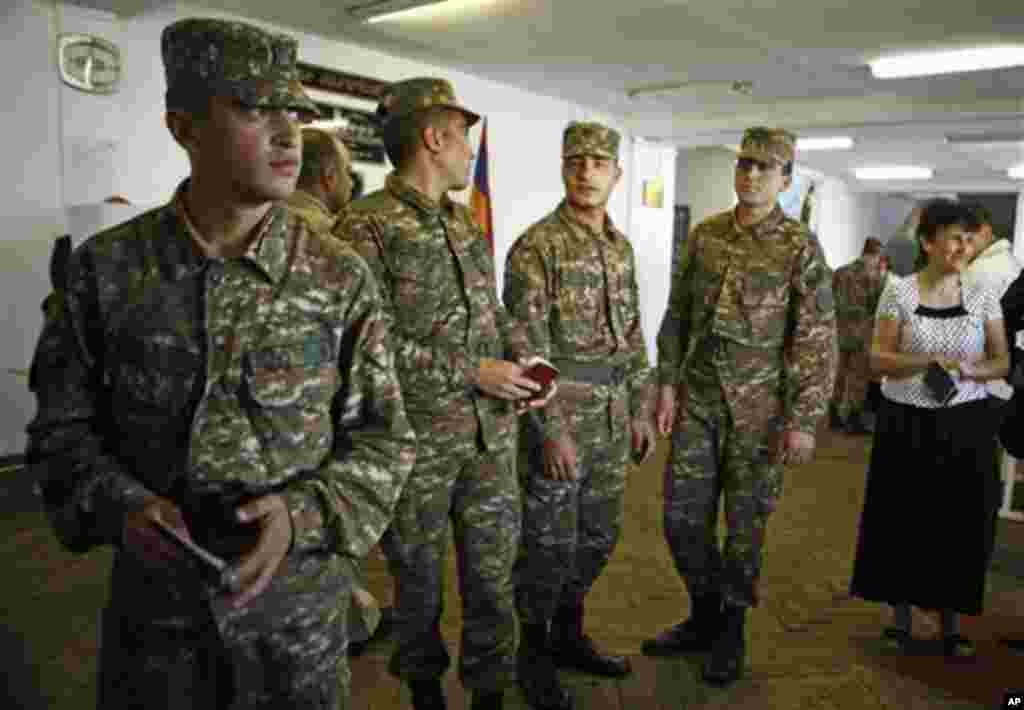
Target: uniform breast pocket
300, 375
765, 299
418, 283
151, 375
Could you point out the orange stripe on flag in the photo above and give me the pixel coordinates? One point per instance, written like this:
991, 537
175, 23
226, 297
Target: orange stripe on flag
480, 195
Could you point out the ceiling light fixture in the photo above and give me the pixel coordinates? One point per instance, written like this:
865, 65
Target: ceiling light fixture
902, 66
893, 172
825, 143
1016, 172
374, 11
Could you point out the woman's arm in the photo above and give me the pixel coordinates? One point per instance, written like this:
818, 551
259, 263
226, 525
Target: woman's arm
996, 364
888, 361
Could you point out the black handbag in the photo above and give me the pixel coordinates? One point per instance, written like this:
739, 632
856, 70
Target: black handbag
939, 383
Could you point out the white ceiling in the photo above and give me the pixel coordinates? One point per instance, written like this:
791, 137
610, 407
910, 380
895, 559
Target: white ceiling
806, 59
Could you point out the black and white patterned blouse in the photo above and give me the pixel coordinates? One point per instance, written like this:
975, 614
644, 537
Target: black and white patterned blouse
957, 332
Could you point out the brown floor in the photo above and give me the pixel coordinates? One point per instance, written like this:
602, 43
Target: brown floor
812, 646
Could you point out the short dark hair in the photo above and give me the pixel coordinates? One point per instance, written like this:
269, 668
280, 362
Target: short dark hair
980, 215
787, 169
941, 213
402, 136
188, 100
872, 245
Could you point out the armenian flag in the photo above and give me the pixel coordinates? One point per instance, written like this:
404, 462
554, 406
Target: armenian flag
480, 196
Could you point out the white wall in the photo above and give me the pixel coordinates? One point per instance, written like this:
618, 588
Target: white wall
76, 149
893, 210
844, 220
709, 181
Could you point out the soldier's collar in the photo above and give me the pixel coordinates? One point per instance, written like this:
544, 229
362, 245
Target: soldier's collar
268, 250
410, 195
760, 229
609, 230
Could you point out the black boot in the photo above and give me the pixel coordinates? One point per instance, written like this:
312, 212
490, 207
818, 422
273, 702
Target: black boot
536, 672
488, 700
696, 634
571, 648
427, 695
729, 652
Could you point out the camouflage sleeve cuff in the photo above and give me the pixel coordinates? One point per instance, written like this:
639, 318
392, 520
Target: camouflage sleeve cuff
308, 529
121, 494
807, 423
466, 369
668, 374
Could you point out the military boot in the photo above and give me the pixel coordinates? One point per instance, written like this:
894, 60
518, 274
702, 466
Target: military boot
729, 652
488, 700
696, 634
427, 695
536, 672
571, 648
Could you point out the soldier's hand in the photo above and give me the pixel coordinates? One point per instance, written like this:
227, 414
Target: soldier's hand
141, 537
257, 567
665, 412
643, 439
504, 379
560, 459
538, 400
797, 447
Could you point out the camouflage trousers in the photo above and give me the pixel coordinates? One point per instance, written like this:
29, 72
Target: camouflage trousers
570, 528
712, 460
853, 375
479, 494
166, 646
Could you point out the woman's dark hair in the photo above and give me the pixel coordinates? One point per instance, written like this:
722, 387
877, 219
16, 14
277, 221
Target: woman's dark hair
936, 215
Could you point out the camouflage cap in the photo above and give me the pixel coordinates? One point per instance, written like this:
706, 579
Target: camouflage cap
213, 57
768, 144
591, 138
404, 98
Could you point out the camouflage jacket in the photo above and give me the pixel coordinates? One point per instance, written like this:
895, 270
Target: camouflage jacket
857, 293
765, 292
271, 369
576, 290
312, 210
436, 272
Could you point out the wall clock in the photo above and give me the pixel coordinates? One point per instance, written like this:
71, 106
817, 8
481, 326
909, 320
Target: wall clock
89, 63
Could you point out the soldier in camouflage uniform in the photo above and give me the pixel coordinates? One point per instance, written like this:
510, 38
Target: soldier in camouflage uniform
324, 187
323, 190
857, 288
572, 278
748, 343
221, 368
450, 335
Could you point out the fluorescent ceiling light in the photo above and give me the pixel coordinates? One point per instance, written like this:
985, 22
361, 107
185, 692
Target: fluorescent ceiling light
1016, 172
428, 10
954, 61
893, 172
826, 143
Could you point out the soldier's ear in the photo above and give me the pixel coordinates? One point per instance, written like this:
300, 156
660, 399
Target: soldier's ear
185, 130
787, 181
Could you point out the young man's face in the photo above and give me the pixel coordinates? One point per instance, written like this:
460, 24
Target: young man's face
589, 180
977, 241
256, 152
758, 183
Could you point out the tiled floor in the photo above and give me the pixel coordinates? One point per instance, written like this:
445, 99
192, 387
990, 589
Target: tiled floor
812, 647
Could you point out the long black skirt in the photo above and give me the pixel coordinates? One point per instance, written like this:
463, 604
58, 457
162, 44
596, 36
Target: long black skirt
930, 507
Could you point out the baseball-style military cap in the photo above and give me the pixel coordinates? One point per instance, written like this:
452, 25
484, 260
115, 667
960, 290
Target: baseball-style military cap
768, 145
589, 138
206, 56
404, 98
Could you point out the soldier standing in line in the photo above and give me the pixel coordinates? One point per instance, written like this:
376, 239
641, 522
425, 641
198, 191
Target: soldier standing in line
571, 277
450, 335
747, 347
323, 191
222, 370
857, 288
